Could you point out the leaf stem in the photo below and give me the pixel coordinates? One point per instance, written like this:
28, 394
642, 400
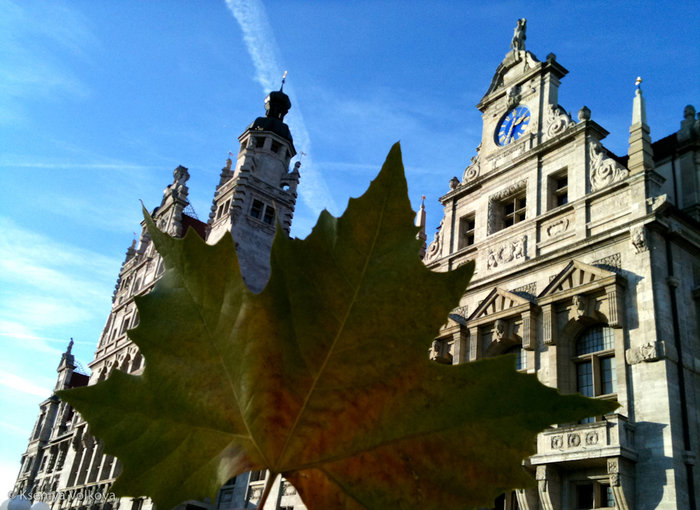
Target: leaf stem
268, 487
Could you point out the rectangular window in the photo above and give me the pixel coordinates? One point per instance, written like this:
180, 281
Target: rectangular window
606, 496
513, 210
256, 211
257, 476
608, 376
466, 231
259, 142
584, 377
269, 216
275, 146
558, 189
125, 325
262, 211
584, 496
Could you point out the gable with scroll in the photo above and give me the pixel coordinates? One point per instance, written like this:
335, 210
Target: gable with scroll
587, 294
502, 321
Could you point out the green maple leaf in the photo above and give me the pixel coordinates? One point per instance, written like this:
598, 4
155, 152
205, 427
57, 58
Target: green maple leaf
323, 377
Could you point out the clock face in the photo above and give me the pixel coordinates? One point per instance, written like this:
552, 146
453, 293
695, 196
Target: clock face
513, 125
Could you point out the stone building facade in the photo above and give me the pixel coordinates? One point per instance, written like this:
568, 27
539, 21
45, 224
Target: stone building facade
587, 270
64, 464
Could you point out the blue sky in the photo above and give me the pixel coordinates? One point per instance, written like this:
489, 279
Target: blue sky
100, 101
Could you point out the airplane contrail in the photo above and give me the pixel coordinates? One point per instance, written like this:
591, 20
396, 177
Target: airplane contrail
263, 50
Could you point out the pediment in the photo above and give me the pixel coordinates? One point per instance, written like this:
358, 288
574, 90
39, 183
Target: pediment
577, 274
515, 64
496, 302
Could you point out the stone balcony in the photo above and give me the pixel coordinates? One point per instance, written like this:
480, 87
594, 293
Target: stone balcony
611, 437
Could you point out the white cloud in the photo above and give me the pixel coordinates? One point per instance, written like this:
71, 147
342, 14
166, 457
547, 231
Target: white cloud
22, 385
32, 54
47, 285
262, 47
8, 474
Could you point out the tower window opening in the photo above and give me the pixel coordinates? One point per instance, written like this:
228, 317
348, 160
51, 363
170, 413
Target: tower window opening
269, 216
559, 189
275, 146
259, 142
256, 211
262, 211
466, 231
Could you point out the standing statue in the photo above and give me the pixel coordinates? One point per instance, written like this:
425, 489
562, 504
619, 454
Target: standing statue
518, 42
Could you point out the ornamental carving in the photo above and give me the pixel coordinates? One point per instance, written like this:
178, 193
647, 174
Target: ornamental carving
591, 438
506, 252
557, 442
556, 121
558, 227
611, 262
527, 291
604, 170
648, 352
574, 440
472, 171
638, 236
435, 246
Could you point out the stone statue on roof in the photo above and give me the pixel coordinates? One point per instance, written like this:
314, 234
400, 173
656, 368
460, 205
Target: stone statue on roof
518, 42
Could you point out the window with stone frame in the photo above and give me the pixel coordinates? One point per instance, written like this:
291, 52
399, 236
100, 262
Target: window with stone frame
258, 475
506, 501
223, 209
507, 207
466, 231
559, 189
594, 361
262, 211
592, 494
513, 210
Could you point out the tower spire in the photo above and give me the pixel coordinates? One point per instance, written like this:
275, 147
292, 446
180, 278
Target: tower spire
284, 78
420, 223
641, 154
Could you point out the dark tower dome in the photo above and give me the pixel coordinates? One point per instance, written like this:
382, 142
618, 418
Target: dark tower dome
277, 104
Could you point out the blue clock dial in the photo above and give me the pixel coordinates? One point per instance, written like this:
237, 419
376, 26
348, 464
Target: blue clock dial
513, 125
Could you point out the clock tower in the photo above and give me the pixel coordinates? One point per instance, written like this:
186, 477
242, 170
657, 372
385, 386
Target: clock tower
518, 104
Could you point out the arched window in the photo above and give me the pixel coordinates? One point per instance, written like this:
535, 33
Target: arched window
595, 362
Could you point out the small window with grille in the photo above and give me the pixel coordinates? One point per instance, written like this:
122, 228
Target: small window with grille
466, 231
558, 189
513, 209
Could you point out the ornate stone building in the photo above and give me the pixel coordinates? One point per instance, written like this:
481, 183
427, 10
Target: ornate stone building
63, 462
587, 269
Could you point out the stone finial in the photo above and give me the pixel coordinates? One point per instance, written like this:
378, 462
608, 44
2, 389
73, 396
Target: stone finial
518, 41
584, 113
420, 223
454, 182
639, 114
640, 151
